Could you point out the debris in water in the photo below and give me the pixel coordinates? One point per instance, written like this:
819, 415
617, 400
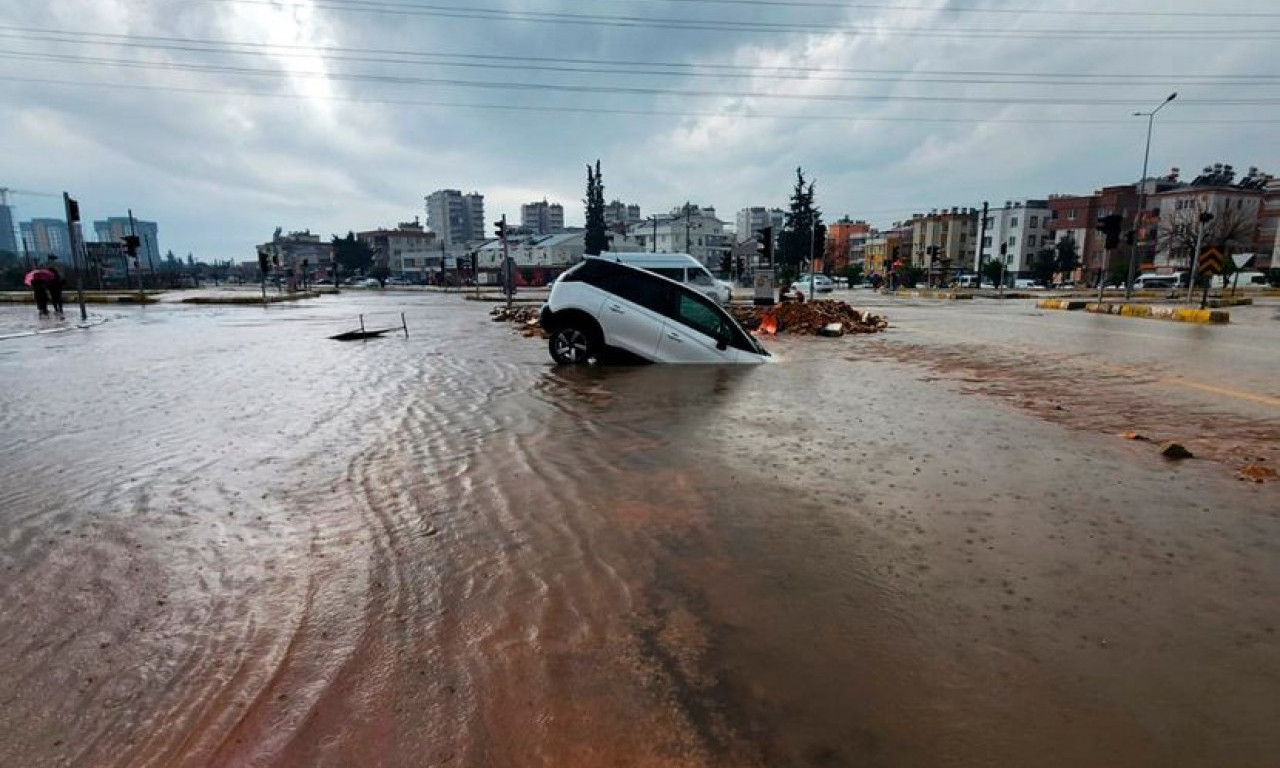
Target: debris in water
810, 318
1257, 473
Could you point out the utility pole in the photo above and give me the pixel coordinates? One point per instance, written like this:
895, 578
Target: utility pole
1204, 218
655, 234
982, 245
688, 248
132, 255
813, 245
73, 221
1142, 197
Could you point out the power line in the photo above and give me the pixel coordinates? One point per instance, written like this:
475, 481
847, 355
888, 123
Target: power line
975, 76
971, 9
689, 24
301, 52
604, 89
554, 109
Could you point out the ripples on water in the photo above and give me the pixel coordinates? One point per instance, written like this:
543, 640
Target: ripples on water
232, 542
235, 543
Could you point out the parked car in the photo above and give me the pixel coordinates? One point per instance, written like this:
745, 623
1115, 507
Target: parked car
680, 267
1023, 284
821, 284
602, 305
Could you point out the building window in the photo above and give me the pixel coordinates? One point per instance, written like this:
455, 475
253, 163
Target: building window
1035, 221
1013, 242
1071, 215
1013, 223
986, 241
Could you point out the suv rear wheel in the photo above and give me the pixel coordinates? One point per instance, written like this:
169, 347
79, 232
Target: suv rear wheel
574, 344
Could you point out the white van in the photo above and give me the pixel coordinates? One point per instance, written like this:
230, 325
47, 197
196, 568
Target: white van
1249, 278
1151, 280
680, 267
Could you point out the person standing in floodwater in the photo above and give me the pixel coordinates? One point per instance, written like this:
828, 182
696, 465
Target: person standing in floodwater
40, 287
55, 286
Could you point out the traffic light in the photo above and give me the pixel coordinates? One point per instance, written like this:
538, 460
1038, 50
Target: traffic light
264, 265
500, 229
1004, 249
1110, 226
766, 244
726, 263
131, 243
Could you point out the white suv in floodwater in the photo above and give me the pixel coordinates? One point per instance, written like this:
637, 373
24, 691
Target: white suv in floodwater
602, 306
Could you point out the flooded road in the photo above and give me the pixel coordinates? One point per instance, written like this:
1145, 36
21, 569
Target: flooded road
227, 541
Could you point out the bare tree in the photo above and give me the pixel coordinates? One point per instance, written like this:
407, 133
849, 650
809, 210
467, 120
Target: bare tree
1230, 230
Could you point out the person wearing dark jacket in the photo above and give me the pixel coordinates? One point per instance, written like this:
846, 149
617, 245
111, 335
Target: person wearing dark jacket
40, 288
55, 287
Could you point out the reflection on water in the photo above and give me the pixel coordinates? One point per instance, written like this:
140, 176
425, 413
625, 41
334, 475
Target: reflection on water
228, 541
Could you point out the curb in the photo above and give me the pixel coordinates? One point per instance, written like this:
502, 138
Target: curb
938, 295
1067, 304
1173, 314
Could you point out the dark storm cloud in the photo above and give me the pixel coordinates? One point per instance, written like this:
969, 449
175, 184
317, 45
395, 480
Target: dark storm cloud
220, 170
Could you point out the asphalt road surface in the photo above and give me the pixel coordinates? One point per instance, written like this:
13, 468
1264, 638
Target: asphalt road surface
228, 541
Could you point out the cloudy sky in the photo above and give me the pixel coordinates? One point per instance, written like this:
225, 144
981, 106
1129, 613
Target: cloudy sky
222, 119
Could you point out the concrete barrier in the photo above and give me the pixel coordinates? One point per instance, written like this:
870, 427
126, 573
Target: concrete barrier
1163, 312
1067, 304
939, 295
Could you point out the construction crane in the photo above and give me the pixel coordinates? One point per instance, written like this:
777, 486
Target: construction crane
6, 191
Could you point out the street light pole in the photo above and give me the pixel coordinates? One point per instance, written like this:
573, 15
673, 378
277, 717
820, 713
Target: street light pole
1142, 196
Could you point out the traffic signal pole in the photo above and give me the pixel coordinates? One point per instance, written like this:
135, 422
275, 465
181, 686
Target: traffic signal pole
73, 220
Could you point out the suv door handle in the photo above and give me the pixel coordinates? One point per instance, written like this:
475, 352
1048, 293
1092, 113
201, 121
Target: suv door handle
617, 308
674, 336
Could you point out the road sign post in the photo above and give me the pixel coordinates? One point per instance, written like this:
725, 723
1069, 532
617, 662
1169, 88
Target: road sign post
1210, 264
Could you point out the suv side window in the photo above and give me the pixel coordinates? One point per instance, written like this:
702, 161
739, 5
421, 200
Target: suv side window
636, 286
699, 314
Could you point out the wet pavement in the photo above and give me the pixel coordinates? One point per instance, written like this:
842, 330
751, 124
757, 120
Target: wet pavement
229, 541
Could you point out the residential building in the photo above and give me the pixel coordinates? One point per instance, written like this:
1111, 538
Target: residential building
114, 228
542, 218
689, 229
456, 218
298, 253
409, 250
883, 247
751, 220
1022, 228
840, 244
944, 241
1238, 209
46, 237
1076, 216
8, 239
1269, 228
621, 217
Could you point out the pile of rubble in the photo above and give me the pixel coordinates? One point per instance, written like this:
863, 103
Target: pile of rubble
524, 318
811, 318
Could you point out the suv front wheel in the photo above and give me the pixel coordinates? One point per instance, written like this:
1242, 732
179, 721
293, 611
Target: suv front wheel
573, 345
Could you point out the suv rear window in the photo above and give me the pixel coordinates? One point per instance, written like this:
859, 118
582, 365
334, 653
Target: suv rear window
634, 285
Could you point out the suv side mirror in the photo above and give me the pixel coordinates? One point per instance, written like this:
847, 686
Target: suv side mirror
722, 338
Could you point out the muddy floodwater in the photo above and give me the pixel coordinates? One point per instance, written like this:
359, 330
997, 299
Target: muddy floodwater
228, 541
